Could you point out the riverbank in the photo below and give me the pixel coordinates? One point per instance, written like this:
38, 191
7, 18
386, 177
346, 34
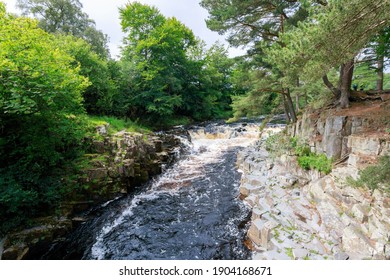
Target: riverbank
305, 214
116, 164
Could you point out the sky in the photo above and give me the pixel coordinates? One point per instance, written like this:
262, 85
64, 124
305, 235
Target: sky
105, 14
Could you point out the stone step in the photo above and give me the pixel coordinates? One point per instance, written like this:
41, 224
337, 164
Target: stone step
247, 189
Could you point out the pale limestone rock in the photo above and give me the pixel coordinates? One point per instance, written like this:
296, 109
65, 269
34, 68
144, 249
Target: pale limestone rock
353, 160
341, 256
360, 212
256, 213
247, 189
300, 253
259, 232
251, 200
266, 232
333, 136
356, 243
364, 145
378, 230
346, 220
254, 232
254, 181
327, 213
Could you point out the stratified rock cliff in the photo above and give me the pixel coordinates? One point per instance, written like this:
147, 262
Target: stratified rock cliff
300, 214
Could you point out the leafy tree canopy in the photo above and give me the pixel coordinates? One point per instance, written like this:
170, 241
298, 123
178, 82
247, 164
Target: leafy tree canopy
66, 16
40, 127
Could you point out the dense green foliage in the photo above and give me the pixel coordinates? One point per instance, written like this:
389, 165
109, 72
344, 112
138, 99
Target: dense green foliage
100, 95
40, 131
313, 161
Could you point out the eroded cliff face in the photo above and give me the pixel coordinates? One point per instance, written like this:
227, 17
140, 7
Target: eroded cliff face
299, 214
115, 166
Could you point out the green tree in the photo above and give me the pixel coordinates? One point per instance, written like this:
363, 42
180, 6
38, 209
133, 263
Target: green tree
40, 127
155, 55
66, 16
258, 25
208, 88
376, 55
332, 36
100, 95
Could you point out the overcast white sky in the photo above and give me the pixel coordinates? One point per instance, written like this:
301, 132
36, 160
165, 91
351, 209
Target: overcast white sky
105, 14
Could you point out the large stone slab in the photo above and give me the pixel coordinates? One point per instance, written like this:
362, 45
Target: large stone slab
356, 243
363, 145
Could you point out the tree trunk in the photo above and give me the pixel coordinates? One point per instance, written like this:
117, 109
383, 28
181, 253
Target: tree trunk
286, 108
336, 92
380, 76
346, 74
380, 59
297, 97
290, 105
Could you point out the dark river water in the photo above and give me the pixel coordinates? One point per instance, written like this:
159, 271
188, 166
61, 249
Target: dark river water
192, 211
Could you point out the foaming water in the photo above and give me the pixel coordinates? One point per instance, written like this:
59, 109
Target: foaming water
191, 211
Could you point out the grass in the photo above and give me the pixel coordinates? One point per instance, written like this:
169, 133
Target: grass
116, 125
289, 252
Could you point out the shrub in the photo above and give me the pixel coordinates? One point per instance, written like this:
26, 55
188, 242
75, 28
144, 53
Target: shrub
315, 161
302, 150
280, 143
374, 176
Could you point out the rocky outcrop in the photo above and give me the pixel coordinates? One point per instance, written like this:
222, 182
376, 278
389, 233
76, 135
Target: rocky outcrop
339, 136
115, 165
299, 214
122, 161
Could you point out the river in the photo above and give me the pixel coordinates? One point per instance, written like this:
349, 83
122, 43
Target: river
191, 211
